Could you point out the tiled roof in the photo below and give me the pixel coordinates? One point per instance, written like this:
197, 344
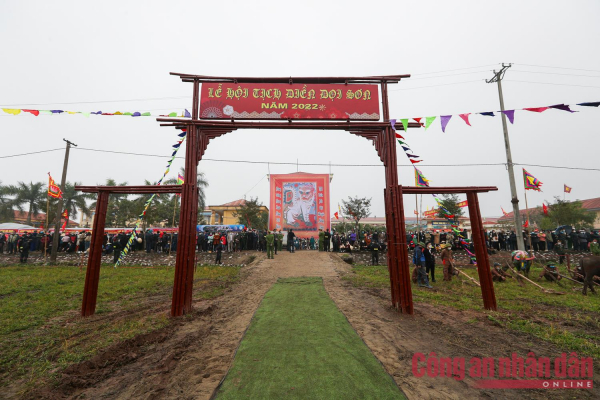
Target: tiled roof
589, 204
235, 203
41, 217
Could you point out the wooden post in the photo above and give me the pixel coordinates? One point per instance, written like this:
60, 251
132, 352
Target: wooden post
92, 274
184, 264
394, 210
483, 263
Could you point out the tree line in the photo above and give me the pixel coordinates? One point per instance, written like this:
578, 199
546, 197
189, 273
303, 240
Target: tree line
123, 210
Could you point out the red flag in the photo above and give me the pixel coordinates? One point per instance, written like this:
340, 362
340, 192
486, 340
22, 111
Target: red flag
526, 224
545, 207
65, 214
504, 212
335, 214
53, 189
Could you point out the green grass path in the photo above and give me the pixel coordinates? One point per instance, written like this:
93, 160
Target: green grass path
300, 346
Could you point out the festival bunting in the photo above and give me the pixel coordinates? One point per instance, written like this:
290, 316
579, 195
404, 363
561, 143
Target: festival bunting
530, 182
567, 189
16, 111
53, 189
420, 180
125, 250
510, 114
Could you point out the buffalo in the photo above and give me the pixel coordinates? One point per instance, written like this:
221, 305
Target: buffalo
589, 266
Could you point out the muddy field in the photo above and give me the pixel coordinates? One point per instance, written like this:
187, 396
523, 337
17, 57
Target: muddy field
190, 357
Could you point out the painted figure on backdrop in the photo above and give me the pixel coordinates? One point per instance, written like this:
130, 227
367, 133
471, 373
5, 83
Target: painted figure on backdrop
300, 204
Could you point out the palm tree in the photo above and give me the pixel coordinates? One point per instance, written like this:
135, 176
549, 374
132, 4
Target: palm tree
32, 195
6, 203
74, 200
201, 182
117, 204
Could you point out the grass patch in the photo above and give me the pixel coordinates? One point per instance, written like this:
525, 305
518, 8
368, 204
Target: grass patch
300, 346
42, 333
568, 321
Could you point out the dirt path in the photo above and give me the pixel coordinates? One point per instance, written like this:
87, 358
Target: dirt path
189, 359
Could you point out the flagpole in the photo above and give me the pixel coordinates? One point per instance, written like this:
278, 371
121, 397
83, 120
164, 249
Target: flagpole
528, 223
174, 210
417, 208
47, 231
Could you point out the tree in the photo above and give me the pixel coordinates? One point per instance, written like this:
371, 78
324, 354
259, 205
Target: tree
356, 208
30, 196
251, 215
6, 204
450, 203
118, 206
567, 213
202, 183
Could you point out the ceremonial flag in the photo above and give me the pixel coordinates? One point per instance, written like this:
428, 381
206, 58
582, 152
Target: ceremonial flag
567, 189
462, 204
53, 189
335, 214
531, 183
526, 224
545, 208
180, 180
504, 212
65, 215
420, 180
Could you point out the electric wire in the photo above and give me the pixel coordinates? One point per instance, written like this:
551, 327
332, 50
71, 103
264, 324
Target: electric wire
547, 66
33, 152
551, 83
554, 73
430, 86
304, 164
97, 101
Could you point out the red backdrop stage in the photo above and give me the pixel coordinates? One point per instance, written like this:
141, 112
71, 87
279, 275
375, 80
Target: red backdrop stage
300, 202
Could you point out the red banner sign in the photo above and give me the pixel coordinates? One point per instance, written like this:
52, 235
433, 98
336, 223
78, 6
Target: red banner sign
462, 203
285, 101
431, 213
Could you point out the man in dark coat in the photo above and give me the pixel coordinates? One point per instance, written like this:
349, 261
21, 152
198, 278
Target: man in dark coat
290, 241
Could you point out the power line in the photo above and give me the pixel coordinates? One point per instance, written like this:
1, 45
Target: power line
547, 66
458, 69
555, 84
306, 164
443, 76
555, 73
442, 84
27, 154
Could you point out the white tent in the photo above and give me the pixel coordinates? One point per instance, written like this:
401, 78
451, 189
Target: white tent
9, 226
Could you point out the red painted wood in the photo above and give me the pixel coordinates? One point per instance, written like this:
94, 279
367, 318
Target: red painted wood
92, 273
483, 262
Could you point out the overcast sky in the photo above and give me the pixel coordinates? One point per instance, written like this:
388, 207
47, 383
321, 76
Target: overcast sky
116, 56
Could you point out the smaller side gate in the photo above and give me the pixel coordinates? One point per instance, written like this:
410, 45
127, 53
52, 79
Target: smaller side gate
483, 262
92, 273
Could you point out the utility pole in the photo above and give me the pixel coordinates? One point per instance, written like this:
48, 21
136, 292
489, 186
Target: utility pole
60, 203
509, 163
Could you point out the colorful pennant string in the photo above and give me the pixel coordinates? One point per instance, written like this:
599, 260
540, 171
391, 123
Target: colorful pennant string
17, 111
147, 204
510, 114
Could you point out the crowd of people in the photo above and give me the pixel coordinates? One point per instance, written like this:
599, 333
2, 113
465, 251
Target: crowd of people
156, 241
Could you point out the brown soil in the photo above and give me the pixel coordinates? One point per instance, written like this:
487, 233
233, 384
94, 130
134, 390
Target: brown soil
189, 358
